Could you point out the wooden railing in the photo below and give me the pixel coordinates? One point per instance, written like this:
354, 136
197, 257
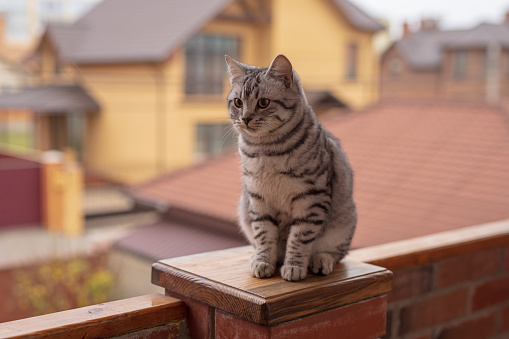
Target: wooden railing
154, 316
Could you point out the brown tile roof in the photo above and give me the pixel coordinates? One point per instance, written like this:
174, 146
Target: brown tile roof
149, 30
419, 169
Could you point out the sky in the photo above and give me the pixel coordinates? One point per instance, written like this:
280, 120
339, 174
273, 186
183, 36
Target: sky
451, 14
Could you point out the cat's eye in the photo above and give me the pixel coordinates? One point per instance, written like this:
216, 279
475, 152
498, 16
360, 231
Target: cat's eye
263, 103
238, 103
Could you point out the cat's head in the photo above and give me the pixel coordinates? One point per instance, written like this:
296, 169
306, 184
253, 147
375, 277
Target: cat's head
262, 100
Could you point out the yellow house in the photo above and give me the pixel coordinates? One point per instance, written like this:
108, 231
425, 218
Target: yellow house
155, 72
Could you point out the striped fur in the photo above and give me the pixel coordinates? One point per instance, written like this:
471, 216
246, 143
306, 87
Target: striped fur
296, 206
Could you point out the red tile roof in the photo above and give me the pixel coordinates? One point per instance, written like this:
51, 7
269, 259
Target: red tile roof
419, 169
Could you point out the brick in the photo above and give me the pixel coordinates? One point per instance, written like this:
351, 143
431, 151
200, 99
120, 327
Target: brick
167, 331
361, 321
481, 327
506, 258
433, 311
388, 326
491, 293
467, 267
198, 316
504, 320
411, 282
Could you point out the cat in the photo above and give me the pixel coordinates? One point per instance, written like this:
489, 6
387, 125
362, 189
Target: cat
296, 207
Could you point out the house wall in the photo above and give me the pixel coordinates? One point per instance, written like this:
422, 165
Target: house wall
441, 83
504, 74
147, 124
11, 77
408, 84
319, 54
123, 139
473, 86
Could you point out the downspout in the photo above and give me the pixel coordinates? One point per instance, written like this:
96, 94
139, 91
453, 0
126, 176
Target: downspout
160, 128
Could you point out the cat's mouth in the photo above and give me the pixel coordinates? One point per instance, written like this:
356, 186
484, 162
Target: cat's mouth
245, 127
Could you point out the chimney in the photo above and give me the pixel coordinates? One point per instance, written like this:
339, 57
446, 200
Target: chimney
406, 30
429, 25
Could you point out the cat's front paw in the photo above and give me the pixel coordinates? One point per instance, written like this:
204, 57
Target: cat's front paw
293, 273
262, 269
322, 263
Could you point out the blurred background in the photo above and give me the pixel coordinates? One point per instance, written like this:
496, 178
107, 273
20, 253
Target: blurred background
116, 149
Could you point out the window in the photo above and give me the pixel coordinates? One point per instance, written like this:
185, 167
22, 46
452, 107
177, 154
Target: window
212, 139
205, 66
15, 14
351, 61
460, 65
395, 66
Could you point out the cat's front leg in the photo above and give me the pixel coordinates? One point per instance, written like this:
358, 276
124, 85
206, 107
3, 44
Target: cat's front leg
265, 232
298, 250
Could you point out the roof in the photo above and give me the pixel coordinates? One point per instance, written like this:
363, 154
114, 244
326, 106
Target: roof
483, 35
357, 17
133, 30
320, 100
122, 31
424, 49
168, 239
419, 169
50, 99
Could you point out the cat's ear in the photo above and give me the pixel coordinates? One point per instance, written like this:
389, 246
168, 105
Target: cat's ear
235, 68
282, 68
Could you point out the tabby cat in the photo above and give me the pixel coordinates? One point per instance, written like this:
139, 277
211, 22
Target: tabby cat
296, 206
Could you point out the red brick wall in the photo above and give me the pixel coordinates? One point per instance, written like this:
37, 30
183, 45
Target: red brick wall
409, 84
461, 296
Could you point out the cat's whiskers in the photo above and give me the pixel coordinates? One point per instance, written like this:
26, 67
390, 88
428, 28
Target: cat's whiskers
228, 133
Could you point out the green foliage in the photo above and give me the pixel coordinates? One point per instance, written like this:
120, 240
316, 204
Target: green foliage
59, 285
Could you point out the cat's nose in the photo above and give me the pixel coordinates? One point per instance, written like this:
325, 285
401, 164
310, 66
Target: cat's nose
247, 120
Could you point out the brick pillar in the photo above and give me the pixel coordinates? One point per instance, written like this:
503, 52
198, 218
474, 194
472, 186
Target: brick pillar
224, 301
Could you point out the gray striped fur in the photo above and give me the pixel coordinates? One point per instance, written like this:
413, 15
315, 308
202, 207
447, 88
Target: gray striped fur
296, 206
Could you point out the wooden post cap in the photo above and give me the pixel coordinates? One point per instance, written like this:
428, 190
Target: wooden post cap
222, 280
